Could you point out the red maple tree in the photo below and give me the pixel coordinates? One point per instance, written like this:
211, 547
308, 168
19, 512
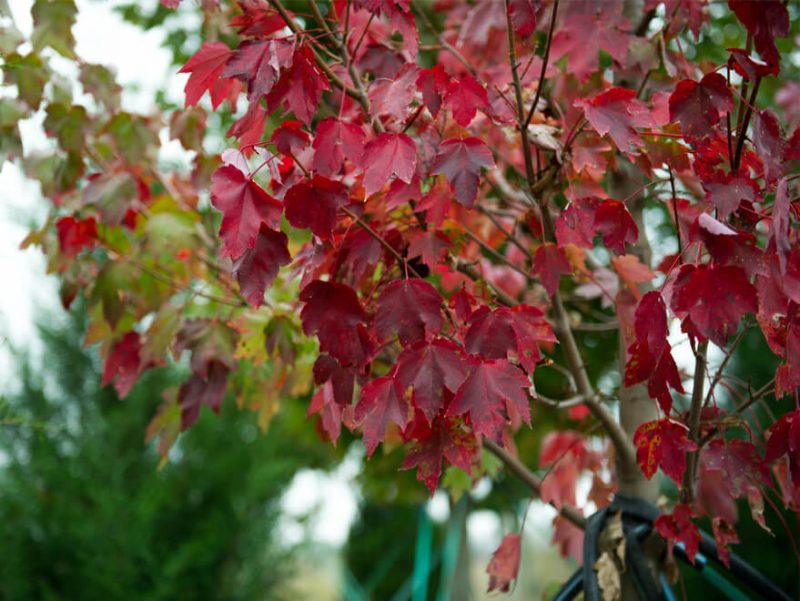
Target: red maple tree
425, 205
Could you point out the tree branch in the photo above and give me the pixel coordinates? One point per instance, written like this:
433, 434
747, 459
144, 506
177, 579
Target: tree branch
687, 490
515, 466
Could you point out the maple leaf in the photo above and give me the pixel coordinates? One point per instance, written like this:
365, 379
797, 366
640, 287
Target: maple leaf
490, 334
769, 143
464, 97
201, 390
663, 443
739, 463
678, 527
411, 308
550, 263
430, 369
504, 565
784, 439
388, 154
431, 443
258, 64
290, 138
617, 112
523, 16
313, 204
727, 191
697, 105
581, 37
632, 271
490, 387
205, 68
724, 536
244, 205
432, 84
764, 20
392, 97
76, 234
333, 312
336, 140
210, 342
713, 299
341, 378
300, 86
381, 401
460, 161
324, 403
430, 246
650, 322
124, 364
249, 127
257, 267
616, 225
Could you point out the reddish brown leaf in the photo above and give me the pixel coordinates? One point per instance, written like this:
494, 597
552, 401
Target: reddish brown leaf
124, 364
764, 20
205, 69
616, 225
76, 234
411, 308
201, 390
388, 154
494, 392
460, 161
333, 312
697, 105
678, 527
663, 443
313, 204
550, 263
257, 267
335, 141
617, 112
381, 402
430, 369
503, 567
244, 205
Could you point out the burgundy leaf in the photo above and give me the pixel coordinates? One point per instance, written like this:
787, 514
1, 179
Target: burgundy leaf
257, 267
412, 308
313, 204
461, 160
697, 105
388, 154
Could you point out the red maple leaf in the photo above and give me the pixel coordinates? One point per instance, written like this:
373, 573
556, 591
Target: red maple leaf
330, 412
494, 392
381, 401
205, 69
713, 299
784, 439
663, 443
697, 105
258, 64
727, 191
461, 160
523, 16
256, 269
581, 37
432, 84
290, 138
617, 112
333, 312
249, 127
769, 144
199, 390
504, 565
550, 263
300, 86
430, 369
124, 364
76, 234
764, 20
244, 205
412, 308
678, 527
430, 246
650, 322
313, 204
388, 154
336, 140
464, 97
445, 438
616, 225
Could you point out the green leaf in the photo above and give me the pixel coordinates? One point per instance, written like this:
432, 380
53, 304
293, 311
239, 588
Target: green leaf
52, 26
29, 74
68, 124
